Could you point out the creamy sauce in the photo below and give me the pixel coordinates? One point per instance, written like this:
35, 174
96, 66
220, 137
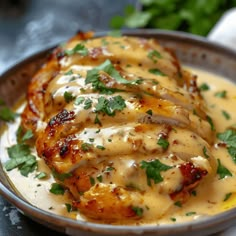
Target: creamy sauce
209, 199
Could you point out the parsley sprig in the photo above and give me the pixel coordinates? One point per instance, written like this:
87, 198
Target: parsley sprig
78, 49
153, 170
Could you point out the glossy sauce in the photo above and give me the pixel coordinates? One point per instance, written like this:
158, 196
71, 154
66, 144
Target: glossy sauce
209, 199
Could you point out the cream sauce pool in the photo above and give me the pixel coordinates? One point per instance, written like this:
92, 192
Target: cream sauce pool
210, 196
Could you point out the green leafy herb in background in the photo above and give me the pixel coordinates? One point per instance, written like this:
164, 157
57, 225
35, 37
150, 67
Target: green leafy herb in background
197, 17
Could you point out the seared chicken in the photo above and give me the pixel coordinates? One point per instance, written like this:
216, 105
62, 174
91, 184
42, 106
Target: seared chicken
125, 124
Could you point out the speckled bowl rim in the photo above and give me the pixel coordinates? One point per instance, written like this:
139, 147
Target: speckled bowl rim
202, 226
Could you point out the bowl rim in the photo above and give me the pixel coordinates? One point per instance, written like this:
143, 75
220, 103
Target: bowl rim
44, 216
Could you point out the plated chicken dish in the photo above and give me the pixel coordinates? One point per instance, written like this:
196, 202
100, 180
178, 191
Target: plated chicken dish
124, 128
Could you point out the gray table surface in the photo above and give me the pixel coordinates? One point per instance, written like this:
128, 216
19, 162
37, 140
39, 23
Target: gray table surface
28, 26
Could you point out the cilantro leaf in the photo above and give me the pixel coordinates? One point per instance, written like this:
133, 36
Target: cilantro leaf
163, 143
41, 175
210, 121
227, 196
205, 152
79, 48
222, 171
79, 100
6, 114
29, 165
28, 135
68, 97
138, 210
204, 87
153, 170
57, 189
221, 94
156, 71
61, 176
87, 103
226, 115
154, 55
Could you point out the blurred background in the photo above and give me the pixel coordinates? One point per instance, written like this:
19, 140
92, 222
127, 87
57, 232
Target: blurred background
27, 26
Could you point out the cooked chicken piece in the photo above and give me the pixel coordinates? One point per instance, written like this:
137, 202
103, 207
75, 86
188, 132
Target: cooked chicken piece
125, 122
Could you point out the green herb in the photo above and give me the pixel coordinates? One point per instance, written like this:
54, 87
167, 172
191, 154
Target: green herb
68, 97
109, 140
221, 94
100, 147
156, 72
41, 175
107, 67
6, 114
61, 176
194, 193
57, 189
190, 213
204, 87
229, 137
79, 100
97, 121
227, 196
79, 49
153, 170
178, 204
205, 152
209, 120
98, 131
68, 207
86, 147
21, 158
92, 180
99, 178
226, 115
138, 210
163, 143
222, 171
70, 72
91, 140
110, 168
149, 112
87, 103
154, 55
173, 219
28, 135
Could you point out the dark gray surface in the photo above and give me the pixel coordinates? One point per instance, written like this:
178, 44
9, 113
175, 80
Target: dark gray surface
28, 26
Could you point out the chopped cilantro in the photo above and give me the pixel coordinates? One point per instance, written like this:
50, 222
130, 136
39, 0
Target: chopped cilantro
204, 87
70, 72
92, 180
226, 115
109, 140
109, 168
222, 171
57, 189
87, 103
28, 135
6, 114
163, 143
149, 112
91, 140
221, 94
41, 175
68, 97
178, 204
79, 100
110, 106
209, 120
173, 219
99, 178
194, 193
227, 196
79, 49
154, 55
97, 121
68, 207
153, 170
138, 210
100, 147
98, 131
229, 137
190, 213
61, 176
156, 71
86, 147
205, 152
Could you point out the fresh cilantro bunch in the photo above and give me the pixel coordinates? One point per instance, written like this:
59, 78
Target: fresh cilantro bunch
196, 17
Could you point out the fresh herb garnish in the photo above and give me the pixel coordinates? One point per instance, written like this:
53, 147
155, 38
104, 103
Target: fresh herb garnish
92, 180
86, 147
100, 147
41, 175
97, 121
222, 171
173, 219
227, 196
153, 170
205, 152
109, 168
229, 137
163, 143
221, 94
57, 189
6, 114
87, 103
190, 213
209, 120
78, 49
70, 72
61, 176
79, 100
138, 210
99, 178
149, 112
226, 115
194, 193
68, 97
154, 55
178, 204
27, 135
204, 87
110, 106
156, 72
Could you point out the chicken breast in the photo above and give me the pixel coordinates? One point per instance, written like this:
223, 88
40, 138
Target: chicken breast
123, 123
